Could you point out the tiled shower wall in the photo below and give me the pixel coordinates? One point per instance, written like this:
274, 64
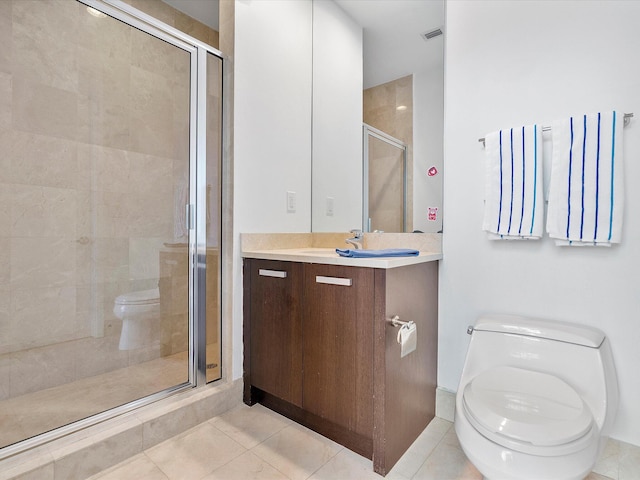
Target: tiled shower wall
380, 111
90, 170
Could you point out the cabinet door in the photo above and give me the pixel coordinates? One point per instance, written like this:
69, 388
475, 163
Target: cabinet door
275, 328
338, 345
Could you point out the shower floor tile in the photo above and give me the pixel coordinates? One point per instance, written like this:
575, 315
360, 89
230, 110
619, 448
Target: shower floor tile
33, 413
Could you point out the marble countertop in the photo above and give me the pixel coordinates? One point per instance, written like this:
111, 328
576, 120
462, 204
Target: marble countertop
329, 256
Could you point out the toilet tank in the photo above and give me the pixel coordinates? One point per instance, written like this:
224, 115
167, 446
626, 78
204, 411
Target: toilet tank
578, 354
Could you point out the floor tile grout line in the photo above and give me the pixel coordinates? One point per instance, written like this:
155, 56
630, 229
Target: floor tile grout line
231, 459
432, 451
144, 452
320, 467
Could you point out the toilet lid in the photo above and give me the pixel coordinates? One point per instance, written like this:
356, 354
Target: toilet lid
526, 406
143, 297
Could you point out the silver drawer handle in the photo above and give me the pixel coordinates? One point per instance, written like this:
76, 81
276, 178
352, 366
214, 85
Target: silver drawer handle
272, 273
334, 280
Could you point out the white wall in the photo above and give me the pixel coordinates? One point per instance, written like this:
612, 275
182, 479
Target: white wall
273, 122
514, 63
272, 127
428, 99
337, 119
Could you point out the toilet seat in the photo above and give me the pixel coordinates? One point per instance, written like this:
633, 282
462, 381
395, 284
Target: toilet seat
528, 411
143, 297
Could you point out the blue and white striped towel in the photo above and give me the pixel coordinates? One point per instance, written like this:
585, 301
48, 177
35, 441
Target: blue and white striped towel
514, 204
586, 188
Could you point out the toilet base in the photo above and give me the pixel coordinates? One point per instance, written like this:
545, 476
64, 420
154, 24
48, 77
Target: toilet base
139, 333
499, 463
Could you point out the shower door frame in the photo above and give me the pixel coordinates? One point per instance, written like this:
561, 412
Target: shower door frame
196, 216
369, 131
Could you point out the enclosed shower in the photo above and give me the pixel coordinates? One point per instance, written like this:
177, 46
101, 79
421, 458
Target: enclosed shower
110, 213
384, 182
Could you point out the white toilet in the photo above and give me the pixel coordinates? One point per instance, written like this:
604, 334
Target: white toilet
537, 398
140, 314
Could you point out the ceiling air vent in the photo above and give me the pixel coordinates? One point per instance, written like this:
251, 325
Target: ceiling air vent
431, 34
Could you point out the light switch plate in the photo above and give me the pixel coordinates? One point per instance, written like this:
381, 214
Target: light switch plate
329, 207
291, 202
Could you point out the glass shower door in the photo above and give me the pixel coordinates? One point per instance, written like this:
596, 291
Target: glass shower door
385, 184
96, 137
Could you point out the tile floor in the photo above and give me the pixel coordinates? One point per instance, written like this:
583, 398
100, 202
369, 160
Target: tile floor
258, 444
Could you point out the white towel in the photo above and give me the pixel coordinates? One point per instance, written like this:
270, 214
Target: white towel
586, 188
514, 203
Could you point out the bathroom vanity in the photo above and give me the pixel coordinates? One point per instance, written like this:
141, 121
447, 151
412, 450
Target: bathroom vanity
319, 347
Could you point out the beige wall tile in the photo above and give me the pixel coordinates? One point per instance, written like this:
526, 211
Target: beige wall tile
5, 261
101, 355
29, 306
100, 453
39, 368
193, 27
156, 9
44, 42
42, 262
6, 93
151, 113
144, 257
5, 371
42, 160
138, 466
39, 108
107, 39
104, 99
102, 261
152, 175
5, 210
6, 141
156, 56
103, 169
43, 212
5, 317
6, 28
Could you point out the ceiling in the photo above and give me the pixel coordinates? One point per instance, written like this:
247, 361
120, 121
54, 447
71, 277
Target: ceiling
393, 46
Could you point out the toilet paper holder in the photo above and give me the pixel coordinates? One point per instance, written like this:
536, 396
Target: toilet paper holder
396, 322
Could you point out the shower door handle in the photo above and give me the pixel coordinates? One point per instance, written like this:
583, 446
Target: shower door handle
189, 216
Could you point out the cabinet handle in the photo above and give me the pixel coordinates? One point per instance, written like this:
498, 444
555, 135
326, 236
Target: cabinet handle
334, 280
272, 273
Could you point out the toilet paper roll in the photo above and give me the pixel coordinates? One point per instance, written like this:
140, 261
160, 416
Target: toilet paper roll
407, 338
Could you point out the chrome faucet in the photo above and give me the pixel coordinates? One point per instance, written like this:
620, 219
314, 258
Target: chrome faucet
356, 241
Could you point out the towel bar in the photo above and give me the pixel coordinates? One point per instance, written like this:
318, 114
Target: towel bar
627, 119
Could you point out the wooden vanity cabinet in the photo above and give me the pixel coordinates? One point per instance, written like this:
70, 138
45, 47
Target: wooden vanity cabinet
319, 349
338, 349
272, 313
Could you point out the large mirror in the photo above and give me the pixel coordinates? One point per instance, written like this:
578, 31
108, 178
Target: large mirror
388, 72
403, 83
